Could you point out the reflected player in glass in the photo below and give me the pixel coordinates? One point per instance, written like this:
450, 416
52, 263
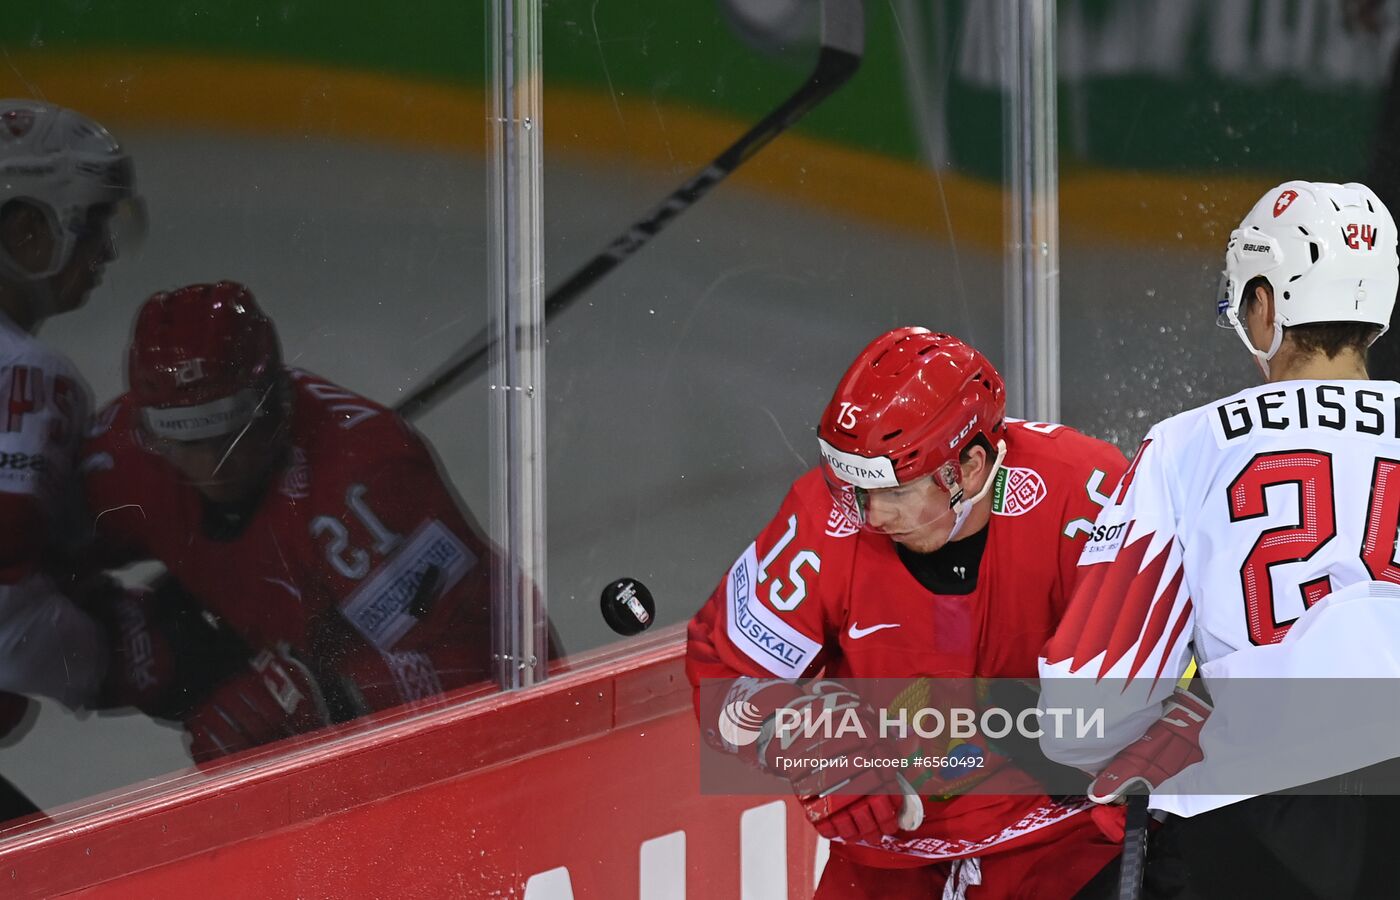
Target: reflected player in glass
64, 182
311, 523
937, 538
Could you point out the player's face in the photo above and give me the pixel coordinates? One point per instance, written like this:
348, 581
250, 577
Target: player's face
918, 515
231, 468
91, 253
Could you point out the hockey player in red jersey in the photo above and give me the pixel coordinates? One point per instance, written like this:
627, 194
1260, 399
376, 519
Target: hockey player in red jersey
1258, 534
312, 522
937, 538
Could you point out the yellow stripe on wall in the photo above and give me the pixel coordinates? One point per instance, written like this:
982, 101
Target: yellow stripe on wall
277, 98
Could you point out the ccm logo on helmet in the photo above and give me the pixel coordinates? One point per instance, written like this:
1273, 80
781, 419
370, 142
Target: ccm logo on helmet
953, 444
1283, 202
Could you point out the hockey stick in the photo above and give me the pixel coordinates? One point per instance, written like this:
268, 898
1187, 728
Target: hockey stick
842, 46
1134, 849
1134, 860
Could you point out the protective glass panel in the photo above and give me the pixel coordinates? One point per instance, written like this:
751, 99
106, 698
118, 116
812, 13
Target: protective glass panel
324, 559
685, 384
1174, 119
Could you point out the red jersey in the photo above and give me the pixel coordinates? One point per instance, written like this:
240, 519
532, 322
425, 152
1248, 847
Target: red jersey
357, 544
814, 593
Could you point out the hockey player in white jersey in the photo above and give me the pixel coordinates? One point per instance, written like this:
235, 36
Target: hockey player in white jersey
1271, 511
63, 178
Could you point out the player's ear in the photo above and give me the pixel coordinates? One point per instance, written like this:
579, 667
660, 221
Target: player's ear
974, 464
1264, 297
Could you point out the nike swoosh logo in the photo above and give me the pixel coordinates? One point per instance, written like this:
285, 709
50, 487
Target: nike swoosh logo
857, 632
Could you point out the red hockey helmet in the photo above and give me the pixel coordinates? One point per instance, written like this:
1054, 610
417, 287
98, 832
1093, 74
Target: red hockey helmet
906, 409
203, 362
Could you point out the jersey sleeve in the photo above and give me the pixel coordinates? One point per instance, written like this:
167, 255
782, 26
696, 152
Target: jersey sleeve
44, 409
51, 647
1099, 466
116, 490
1125, 638
768, 617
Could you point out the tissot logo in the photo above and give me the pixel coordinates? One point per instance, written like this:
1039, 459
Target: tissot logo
1103, 533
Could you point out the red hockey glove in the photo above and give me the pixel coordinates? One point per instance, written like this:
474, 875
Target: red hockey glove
141, 659
1170, 745
164, 654
847, 779
275, 697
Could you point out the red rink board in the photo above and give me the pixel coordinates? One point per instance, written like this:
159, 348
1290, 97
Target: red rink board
466, 802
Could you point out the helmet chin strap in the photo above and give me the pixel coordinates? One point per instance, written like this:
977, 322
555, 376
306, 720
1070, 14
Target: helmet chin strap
1261, 357
962, 507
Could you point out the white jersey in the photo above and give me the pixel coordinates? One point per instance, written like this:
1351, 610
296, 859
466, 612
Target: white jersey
1233, 520
47, 645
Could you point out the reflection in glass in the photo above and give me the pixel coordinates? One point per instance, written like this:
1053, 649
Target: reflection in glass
332, 161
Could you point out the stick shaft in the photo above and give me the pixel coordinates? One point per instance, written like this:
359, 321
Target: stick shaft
1134, 849
843, 39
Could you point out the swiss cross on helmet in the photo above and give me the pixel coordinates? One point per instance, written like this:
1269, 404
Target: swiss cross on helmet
204, 362
1328, 252
64, 164
905, 410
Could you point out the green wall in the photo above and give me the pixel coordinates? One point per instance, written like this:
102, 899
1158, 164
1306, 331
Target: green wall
1242, 86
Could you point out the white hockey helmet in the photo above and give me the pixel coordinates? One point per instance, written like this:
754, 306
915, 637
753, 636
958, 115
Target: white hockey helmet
64, 164
1328, 251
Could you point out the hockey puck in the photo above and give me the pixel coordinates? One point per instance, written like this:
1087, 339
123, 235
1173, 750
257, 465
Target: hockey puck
627, 606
